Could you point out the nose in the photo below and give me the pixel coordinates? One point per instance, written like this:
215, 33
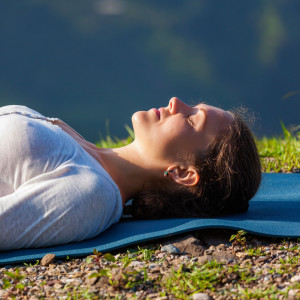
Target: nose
177, 106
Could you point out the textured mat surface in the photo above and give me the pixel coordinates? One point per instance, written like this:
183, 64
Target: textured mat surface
274, 211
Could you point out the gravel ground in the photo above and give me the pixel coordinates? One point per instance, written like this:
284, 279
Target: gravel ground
271, 265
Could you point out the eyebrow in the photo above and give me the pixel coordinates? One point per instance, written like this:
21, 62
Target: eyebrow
203, 111
199, 104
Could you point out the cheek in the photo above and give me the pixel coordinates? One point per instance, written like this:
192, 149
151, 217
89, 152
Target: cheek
173, 140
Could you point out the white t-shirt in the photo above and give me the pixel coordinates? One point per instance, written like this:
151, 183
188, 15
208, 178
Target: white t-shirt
51, 190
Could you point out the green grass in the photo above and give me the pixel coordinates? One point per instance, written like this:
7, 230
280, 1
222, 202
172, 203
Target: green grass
121, 280
115, 142
280, 154
190, 277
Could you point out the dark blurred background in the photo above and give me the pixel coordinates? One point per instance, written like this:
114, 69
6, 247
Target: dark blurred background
90, 62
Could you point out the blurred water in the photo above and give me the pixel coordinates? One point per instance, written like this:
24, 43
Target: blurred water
96, 60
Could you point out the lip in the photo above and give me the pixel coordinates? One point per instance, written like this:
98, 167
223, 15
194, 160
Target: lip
161, 110
157, 112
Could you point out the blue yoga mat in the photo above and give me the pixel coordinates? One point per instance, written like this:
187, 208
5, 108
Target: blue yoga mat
274, 211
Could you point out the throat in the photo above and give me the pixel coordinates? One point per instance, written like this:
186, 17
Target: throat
123, 167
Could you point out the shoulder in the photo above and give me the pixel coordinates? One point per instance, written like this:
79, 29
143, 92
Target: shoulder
95, 180
94, 193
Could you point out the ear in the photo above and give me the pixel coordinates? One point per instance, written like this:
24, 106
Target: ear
184, 175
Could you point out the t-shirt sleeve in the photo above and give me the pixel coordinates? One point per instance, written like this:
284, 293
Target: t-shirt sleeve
65, 205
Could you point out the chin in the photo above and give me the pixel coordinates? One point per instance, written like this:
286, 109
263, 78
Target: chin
139, 117
139, 123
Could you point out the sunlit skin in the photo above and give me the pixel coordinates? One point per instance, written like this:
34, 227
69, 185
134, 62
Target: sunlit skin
162, 137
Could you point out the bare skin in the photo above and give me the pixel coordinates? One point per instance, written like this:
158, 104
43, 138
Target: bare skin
161, 137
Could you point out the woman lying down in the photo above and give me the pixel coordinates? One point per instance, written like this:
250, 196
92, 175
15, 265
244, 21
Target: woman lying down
56, 187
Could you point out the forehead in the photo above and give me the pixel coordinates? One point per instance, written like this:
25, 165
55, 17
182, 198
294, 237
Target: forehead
216, 113
217, 120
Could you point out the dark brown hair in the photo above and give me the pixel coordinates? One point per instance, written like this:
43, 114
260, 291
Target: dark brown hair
230, 174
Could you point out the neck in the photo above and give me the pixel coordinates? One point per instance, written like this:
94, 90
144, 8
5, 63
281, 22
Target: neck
128, 169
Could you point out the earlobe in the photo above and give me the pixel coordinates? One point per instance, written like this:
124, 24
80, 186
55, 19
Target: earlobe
187, 176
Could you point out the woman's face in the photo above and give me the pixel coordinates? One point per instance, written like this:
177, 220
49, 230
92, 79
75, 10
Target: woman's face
178, 129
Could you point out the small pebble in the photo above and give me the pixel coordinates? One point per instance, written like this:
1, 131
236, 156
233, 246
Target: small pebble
171, 249
154, 265
30, 270
25, 281
156, 269
201, 296
136, 264
132, 255
139, 293
267, 278
160, 255
295, 278
47, 259
75, 270
90, 281
221, 247
292, 295
184, 257
208, 252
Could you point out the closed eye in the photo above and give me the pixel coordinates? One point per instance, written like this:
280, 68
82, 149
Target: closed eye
191, 122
